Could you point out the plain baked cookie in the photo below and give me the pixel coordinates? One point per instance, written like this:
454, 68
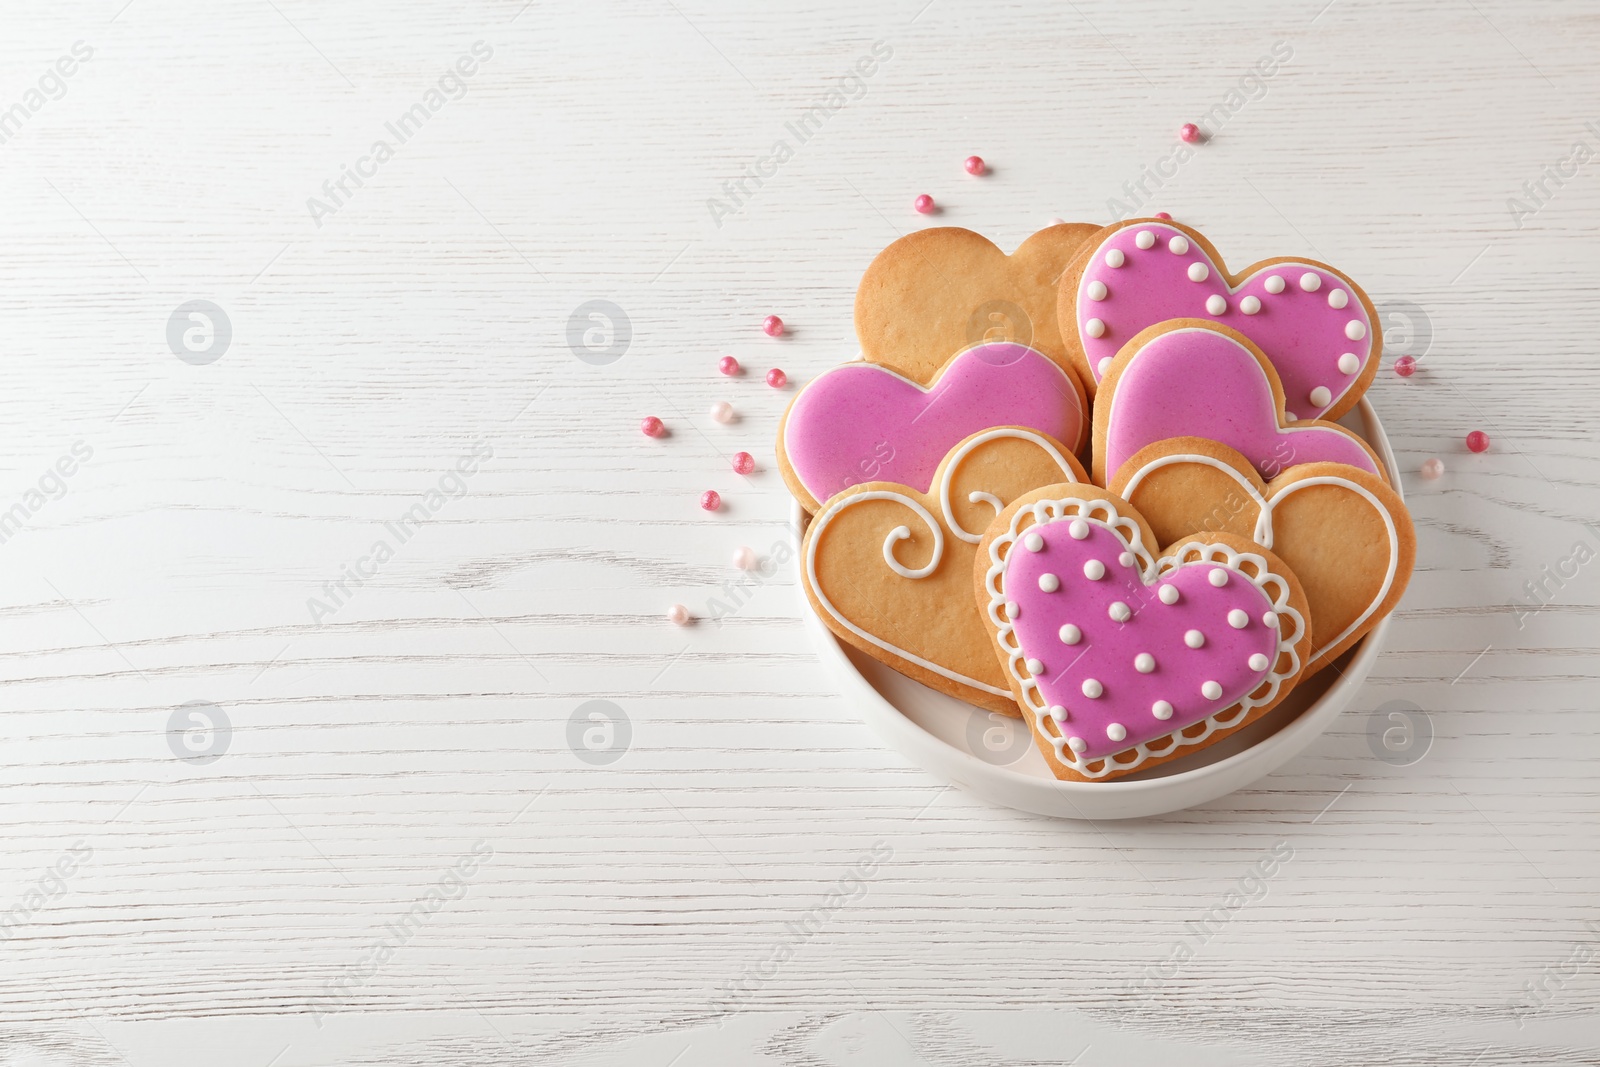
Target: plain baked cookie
1345, 533
1191, 378
1316, 325
1122, 660
889, 568
937, 291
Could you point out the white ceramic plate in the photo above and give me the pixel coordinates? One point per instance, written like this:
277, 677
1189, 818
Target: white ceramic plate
994, 756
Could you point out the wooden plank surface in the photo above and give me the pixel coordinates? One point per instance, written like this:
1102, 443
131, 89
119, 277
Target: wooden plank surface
397, 856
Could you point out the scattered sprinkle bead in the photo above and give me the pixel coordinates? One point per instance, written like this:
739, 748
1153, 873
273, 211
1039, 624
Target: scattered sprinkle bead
1310, 282
728, 365
1432, 468
923, 204
1163, 215
1211, 690
1161, 709
1478, 441
1094, 570
678, 615
1218, 577
1349, 363
1095, 328
1216, 304
1321, 396
1049, 583
1405, 366
1355, 329
1070, 634
743, 463
1078, 529
974, 165
1179, 245
776, 378
1258, 662
1116, 731
651, 426
1144, 239
722, 411
1338, 299
1199, 272
1168, 594
1194, 639
1238, 618
1273, 284
1119, 611
1250, 305
1144, 663
1096, 290
1189, 133
1092, 688
1033, 543
711, 500
772, 326
745, 558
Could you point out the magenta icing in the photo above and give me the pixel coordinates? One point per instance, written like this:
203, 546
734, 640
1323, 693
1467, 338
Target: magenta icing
1107, 648
1300, 332
1201, 383
861, 423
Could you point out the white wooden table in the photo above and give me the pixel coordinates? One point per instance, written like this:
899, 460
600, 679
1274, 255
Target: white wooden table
393, 854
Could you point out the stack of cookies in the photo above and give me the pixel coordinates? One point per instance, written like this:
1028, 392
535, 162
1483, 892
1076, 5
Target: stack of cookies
1098, 484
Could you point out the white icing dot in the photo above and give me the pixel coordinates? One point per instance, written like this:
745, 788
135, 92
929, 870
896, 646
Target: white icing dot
1289, 416
1094, 328
1274, 285
1077, 744
1238, 618
1092, 688
1033, 543
1310, 282
1250, 305
1012, 610
1161, 709
1049, 583
1355, 329
1070, 634
1338, 299
1321, 397
1096, 290
1078, 529
1144, 239
1199, 272
1258, 662
1168, 594
1094, 570
1144, 663
1218, 577
1119, 611
1194, 638
1058, 713
1269, 619
1210, 690
1116, 731
1216, 304
1178, 245
1125, 558
1034, 667
1115, 258
1348, 363
1103, 366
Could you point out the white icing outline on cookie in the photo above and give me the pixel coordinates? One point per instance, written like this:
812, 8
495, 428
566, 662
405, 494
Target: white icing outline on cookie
1263, 531
951, 464
1291, 625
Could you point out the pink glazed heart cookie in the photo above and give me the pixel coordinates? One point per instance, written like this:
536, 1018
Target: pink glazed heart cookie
1316, 326
861, 422
1121, 661
1190, 378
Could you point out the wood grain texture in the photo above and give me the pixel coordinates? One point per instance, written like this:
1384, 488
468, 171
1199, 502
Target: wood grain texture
234, 911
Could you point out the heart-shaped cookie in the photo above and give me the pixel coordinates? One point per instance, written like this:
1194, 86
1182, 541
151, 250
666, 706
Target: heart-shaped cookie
889, 568
939, 290
861, 422
1121, 661
1188, 378
1345, 533
1316, 326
